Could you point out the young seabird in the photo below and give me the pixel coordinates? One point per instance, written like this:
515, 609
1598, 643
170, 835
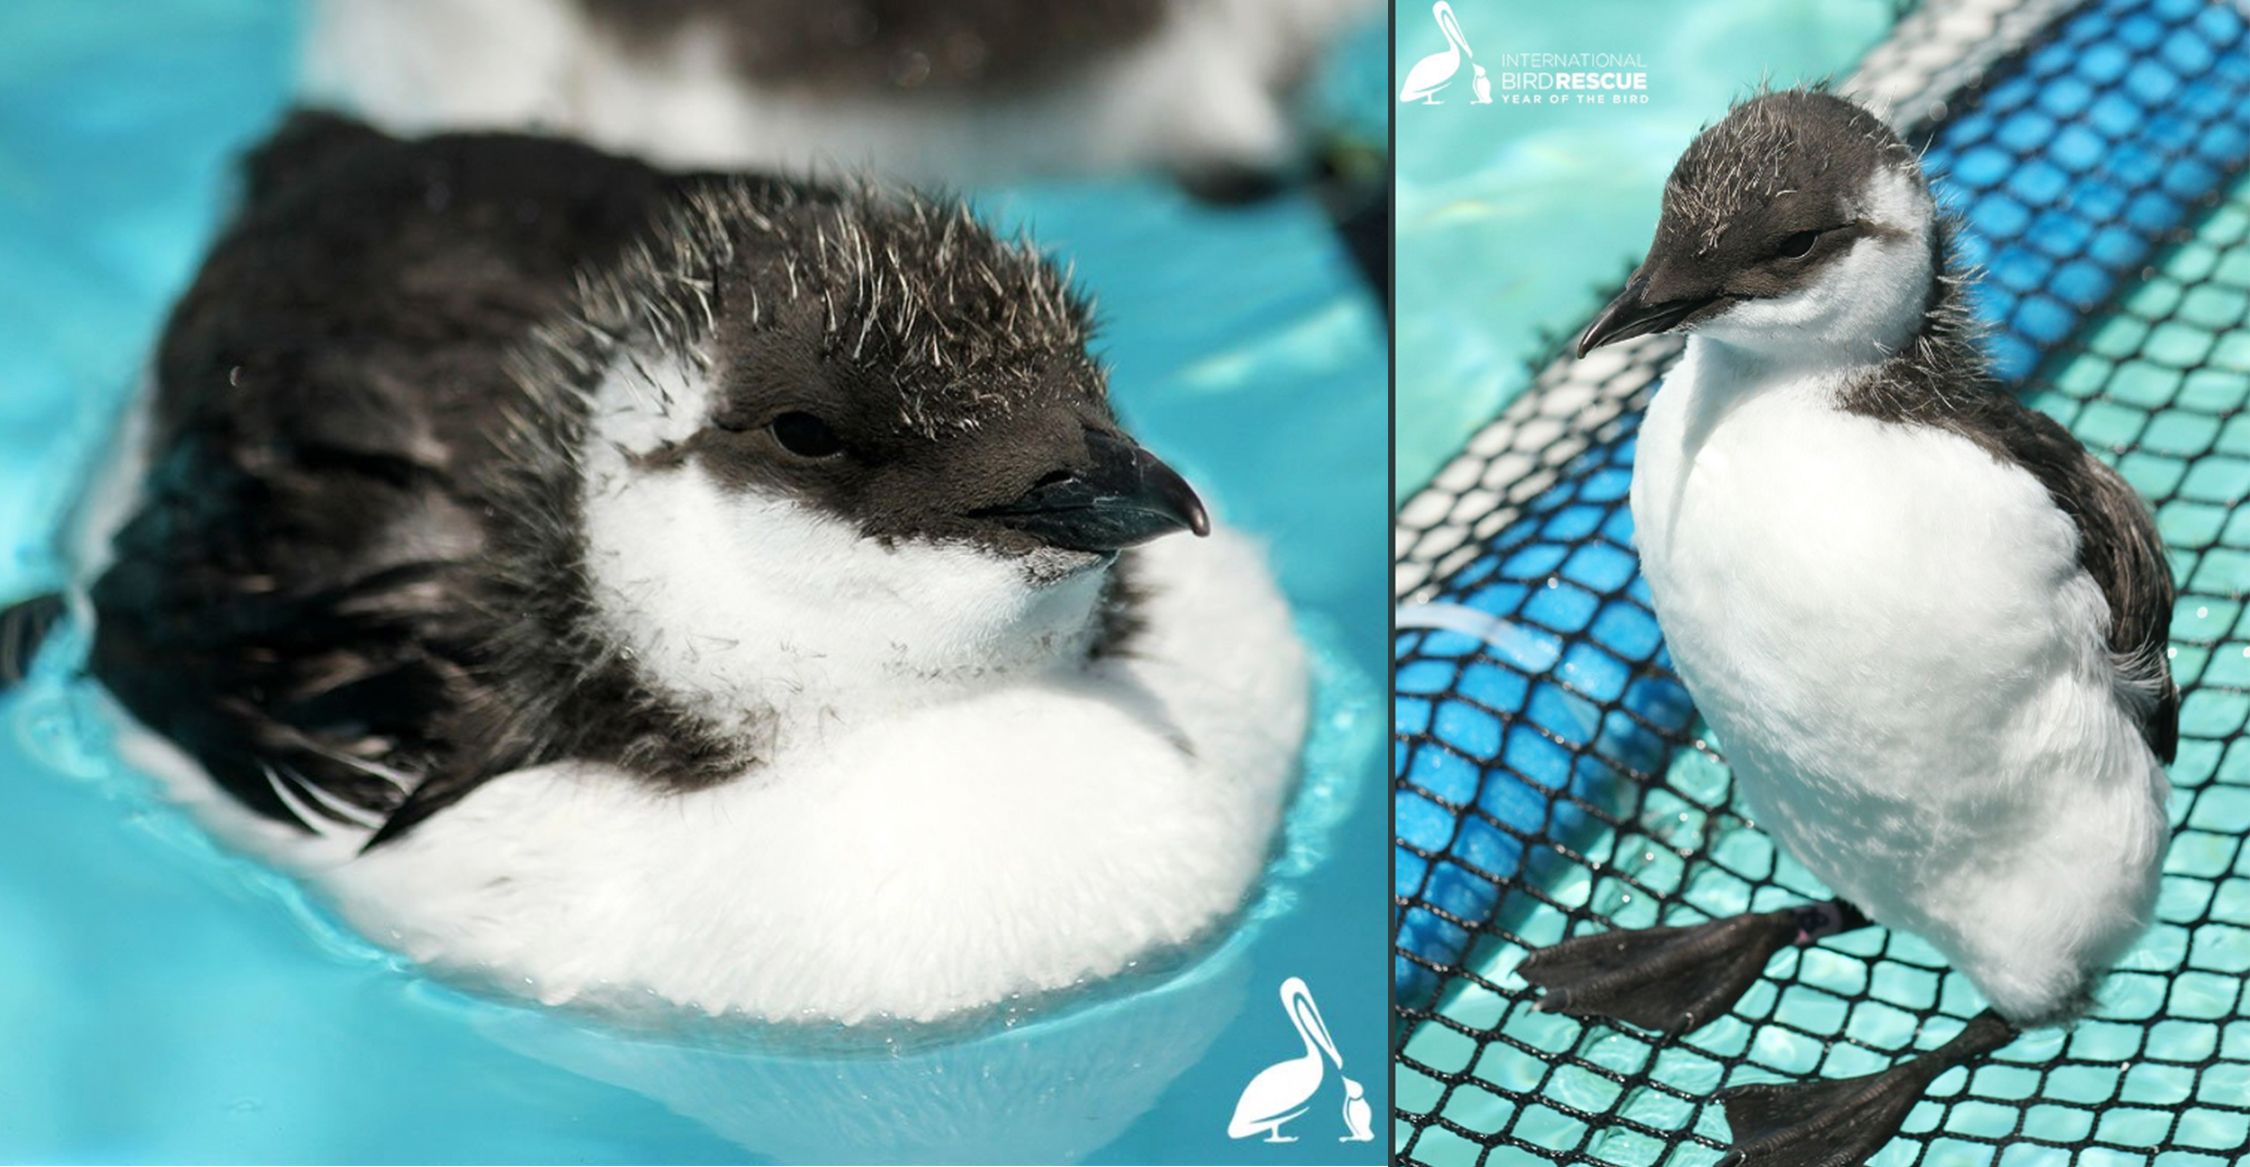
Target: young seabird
722, 591
1927, 625
952, 91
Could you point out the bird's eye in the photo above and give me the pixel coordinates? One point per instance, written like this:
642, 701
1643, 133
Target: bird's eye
806, 436
1797, 246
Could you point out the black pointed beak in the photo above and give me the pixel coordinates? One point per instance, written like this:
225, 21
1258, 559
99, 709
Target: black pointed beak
1125, 496
1632, 314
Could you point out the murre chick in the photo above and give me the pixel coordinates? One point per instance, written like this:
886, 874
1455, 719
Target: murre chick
722, 591
957, 91
1927, 625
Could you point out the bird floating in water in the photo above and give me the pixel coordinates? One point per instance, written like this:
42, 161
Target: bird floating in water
956, 92
729, 592
1927, 625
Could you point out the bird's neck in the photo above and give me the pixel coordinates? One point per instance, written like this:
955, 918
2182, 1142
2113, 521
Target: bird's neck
1946, 336
1915, 315
772, 621
803, 666
1940, 370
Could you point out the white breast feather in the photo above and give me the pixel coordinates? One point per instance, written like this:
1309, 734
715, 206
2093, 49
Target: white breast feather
1903, 660
1021, 839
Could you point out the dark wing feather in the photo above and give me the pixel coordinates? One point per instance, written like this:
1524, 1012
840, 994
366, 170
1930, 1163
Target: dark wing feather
2118, 545
301, 596
1942, 379
23, 628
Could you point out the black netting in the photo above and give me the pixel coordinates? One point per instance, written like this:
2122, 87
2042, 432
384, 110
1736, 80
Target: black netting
1550, 777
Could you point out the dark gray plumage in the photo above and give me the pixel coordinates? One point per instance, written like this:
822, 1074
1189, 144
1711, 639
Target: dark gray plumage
1778, 163
968, 46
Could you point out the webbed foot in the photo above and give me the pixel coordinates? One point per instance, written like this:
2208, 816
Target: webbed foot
1842, 1122
1675, 979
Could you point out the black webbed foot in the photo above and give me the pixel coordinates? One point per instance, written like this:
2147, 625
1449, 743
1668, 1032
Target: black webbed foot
1842, 1122
1674, 979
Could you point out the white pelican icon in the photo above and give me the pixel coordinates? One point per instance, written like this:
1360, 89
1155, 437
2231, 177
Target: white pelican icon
1284, 1090
1435, 72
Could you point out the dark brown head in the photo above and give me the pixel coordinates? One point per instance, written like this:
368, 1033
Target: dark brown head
840, 435
1800, 221
891, 363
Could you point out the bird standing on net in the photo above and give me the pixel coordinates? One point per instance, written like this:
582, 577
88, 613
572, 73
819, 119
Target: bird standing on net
1926, 624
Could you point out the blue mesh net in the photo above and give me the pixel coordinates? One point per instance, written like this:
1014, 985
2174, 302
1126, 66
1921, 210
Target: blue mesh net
1550, 776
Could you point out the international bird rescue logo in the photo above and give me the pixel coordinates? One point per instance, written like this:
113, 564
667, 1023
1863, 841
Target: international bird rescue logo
1578, 78
1290, 1089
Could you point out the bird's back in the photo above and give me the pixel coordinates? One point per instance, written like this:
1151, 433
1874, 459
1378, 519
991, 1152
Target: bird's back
293, 597
904, 44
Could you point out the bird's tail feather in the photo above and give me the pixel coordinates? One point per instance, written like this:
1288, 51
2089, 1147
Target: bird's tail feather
23, 628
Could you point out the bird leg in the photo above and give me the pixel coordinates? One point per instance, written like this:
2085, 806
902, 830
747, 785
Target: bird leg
1841, 1122
1675, 979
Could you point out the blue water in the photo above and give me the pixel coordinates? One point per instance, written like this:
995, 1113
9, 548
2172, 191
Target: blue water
162, 1000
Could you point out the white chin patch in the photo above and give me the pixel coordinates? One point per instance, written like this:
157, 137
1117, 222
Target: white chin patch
739, 602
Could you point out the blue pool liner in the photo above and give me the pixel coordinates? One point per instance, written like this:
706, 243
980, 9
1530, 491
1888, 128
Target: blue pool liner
2083, 156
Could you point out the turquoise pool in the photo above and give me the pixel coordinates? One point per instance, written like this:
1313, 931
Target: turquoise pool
163, 1001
